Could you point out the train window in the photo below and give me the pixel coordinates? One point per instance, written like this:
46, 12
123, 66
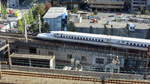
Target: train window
92, 39
83, 38
86, 38
77, 38
127, 43
142, 45
89, 39
64, 36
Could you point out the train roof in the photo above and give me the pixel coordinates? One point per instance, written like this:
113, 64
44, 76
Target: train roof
103, 36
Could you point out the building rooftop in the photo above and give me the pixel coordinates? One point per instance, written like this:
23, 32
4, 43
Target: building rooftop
55, 12
119, 27
32, 56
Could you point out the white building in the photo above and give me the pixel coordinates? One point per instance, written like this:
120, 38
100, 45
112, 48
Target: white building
56, 18
4, 27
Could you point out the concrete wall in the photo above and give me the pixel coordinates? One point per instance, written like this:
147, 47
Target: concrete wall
64, 51
54, 23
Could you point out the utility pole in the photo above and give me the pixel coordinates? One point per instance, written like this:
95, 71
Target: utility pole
39, 23
25, 30
0, 6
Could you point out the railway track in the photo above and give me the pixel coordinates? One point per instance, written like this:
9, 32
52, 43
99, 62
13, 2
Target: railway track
68, 77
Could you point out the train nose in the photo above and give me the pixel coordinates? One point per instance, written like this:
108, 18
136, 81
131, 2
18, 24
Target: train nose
42, 35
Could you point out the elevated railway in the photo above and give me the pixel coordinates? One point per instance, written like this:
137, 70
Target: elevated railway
14, 36
57, 46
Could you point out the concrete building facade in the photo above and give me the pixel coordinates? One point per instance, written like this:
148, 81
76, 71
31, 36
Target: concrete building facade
56, 17
92, 57
70, 4
136, 5
106, 4
148, 4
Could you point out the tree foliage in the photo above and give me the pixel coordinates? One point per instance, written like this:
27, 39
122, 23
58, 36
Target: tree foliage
3, 11
40, 9
45, 27
71, 26
21, 26
75, 10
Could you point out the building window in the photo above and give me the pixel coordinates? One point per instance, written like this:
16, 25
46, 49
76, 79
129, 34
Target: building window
32, 50
107, 69
50, 53
69, 56
83, 58
99, 61
115, 70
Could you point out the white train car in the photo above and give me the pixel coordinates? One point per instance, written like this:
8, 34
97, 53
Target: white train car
96, 39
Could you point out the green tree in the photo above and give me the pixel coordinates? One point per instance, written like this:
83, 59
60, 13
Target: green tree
31, 17
4, 11
40, 9
21, 26
71, 26
75, 10
33, 28
45, 27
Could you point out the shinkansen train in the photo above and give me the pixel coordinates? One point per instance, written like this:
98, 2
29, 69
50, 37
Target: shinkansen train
96, 39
